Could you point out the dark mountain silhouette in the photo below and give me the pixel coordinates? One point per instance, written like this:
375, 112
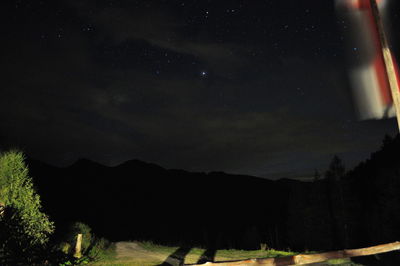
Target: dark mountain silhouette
140, 200
143, 201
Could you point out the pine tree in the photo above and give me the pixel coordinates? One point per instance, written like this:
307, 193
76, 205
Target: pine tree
336, 170
317, 175
336, 203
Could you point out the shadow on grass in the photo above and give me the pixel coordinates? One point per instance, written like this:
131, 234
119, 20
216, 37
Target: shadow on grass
178, 257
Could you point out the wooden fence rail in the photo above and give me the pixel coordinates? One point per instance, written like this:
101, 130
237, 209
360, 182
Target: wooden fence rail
310, 258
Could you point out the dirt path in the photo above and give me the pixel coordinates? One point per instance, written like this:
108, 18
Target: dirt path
132, 250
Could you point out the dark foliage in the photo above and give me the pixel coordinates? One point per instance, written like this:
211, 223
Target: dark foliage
24, 228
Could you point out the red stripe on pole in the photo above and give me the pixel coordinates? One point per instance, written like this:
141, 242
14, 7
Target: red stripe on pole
379, 62
361, 4
357, 4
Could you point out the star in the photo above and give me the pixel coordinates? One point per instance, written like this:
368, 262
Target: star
203, 73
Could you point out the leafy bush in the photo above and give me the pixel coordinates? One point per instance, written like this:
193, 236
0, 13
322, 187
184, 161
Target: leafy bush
65, 248
98, 249
92, 248
80, 228
24, 227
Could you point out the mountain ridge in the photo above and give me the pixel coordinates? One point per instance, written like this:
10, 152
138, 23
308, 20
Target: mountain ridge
144, 201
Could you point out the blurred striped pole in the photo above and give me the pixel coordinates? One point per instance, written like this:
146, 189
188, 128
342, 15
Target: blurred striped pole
389, 64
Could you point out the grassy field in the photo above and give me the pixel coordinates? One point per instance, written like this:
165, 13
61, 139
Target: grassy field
149, 254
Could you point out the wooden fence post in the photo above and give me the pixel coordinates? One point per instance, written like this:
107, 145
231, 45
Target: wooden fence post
78, 246
2, 209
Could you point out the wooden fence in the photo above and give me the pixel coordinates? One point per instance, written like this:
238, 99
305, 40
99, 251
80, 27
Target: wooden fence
310, 258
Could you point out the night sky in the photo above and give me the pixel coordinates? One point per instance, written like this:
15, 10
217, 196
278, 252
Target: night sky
248, 87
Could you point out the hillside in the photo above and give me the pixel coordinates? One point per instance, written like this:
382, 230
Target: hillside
142, 201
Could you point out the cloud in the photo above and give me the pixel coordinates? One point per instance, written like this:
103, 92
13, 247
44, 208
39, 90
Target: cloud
176, 122
161, 29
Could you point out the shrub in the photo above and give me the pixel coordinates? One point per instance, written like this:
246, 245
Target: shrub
65, 248
92, 248
80, 228
98, 249
24, 227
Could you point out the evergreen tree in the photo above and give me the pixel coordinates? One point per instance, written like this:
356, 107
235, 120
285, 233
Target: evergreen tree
317, 175
336, 203
387, 141
336, 169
